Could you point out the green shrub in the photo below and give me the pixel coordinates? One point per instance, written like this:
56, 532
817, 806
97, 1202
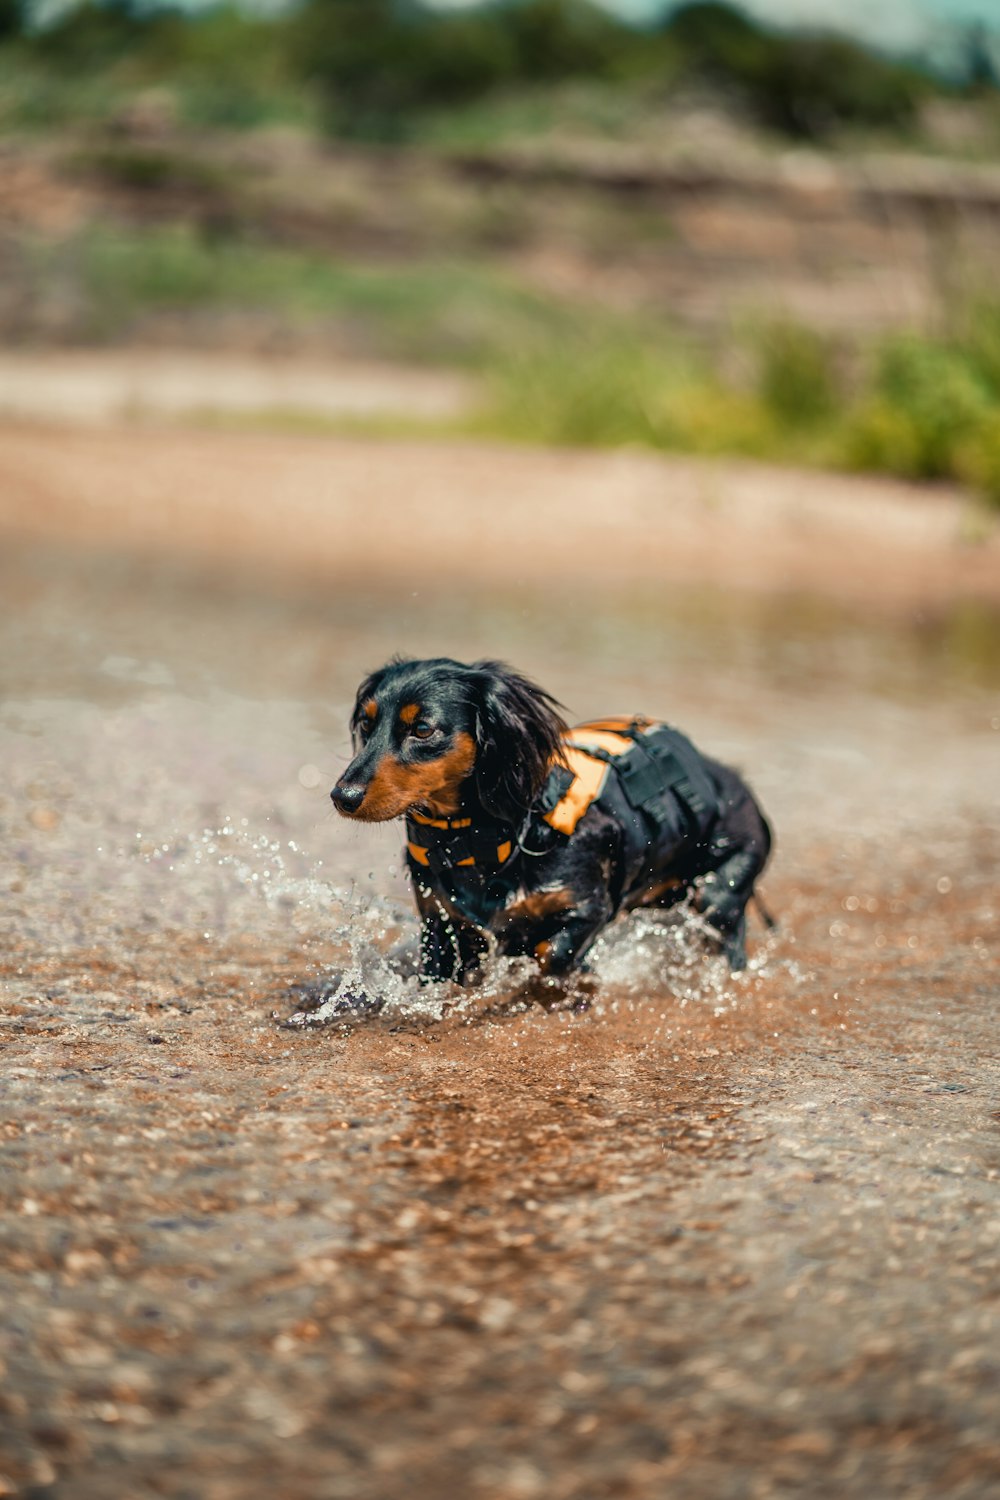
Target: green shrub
812, 86
707, 416
558, 39
926, 401
598, 392
801, 84
219, 66
978, 458
796, 374
13, 15
614, 390
379, 64
926, 409
977, 336
91, 36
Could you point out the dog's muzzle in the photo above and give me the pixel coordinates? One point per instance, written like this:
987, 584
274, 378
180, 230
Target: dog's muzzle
347, 796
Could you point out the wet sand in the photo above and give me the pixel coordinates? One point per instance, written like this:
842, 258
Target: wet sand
711, 1237
328, 507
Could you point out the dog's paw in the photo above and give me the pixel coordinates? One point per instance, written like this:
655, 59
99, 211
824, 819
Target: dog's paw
573, 991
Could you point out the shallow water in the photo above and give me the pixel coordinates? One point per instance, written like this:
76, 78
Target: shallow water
710, 1237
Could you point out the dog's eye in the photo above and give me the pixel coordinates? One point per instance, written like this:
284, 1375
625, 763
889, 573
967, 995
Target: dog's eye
365, 728
422, 730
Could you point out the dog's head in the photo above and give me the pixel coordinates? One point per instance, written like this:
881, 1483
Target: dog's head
438, 736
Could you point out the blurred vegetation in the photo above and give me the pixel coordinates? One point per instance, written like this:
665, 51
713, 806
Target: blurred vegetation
921, 406
380, 69
218, 67
454, 313
378, 65
806, 85
560, 370
555, 368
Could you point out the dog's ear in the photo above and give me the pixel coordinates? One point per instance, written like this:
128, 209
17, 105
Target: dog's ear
519, 732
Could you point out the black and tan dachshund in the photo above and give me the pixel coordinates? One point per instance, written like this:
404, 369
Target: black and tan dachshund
532, 836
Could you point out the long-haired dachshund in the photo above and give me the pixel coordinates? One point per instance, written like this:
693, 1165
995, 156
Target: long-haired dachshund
532, 836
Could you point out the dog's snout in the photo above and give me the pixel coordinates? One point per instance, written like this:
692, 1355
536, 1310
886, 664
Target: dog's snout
347, 796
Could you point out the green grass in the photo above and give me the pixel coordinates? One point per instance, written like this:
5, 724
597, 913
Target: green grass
425, 311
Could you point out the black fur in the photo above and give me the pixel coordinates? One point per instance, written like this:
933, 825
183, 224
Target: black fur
511, 711
475, 744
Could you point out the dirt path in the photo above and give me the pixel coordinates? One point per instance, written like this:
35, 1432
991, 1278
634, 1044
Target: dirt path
361, 508
87, 387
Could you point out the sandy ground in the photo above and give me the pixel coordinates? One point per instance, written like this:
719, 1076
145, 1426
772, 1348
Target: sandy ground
88, 387
390, 510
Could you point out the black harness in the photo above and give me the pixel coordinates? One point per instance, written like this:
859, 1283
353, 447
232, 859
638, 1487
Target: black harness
658, 774
445, 844
662, 765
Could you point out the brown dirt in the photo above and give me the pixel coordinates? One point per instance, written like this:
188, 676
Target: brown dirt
387, 509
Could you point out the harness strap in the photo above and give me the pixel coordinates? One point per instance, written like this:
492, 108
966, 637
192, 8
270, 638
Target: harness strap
439, 822
588, 774
652, 772
455, 845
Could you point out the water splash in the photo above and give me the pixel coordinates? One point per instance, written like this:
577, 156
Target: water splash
640, 961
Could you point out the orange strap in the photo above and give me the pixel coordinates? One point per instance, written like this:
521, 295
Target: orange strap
590, 773
589, 776
440, 822
419, 851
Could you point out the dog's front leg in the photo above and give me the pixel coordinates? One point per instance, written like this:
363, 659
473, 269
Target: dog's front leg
449, 947
563, 951
555, 926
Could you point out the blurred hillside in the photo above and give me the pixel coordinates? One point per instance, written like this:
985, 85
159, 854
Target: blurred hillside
704, 235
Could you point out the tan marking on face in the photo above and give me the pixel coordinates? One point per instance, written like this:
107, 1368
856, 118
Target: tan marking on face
435, 784
542, 953
409, 713
369, 708
453, 768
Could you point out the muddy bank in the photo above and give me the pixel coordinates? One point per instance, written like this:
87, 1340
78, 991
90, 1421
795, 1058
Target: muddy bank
390, 510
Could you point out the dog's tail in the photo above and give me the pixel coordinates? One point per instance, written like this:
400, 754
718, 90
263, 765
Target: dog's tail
765, 916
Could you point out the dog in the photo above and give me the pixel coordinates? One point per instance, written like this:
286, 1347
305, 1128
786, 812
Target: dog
529, 837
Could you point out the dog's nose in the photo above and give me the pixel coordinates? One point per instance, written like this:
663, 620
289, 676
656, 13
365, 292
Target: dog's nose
348, 796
